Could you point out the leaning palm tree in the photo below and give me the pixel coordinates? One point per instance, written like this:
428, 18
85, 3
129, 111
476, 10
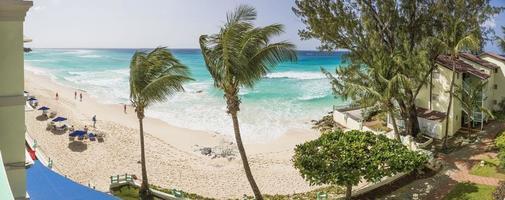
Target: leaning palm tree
154, 76
456, 37
238, 56
471, 99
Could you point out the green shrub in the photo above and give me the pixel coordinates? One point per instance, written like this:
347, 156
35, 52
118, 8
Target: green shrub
499, 193
500, 144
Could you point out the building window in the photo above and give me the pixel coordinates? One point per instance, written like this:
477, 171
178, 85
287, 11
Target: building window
434, 97
436, 74
496, 70
495, 86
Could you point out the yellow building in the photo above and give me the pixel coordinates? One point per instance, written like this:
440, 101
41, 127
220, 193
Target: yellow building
12, 116
433, 99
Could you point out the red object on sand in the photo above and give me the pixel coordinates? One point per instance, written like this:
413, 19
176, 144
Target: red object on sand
32, 153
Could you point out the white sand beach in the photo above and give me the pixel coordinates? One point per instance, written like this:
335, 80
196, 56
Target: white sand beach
173, 159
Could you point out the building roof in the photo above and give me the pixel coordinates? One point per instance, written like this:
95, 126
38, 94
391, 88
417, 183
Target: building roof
478, 60
496, 56
461, 66
430, 114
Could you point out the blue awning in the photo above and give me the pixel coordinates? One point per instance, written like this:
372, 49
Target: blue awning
43, 108
77, 133
43, 183
59, 119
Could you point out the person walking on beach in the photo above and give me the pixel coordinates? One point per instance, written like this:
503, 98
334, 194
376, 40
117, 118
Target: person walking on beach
124, 106
75, 95
80, 96
94, 120
56, 95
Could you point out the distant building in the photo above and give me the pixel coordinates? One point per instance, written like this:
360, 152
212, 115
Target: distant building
433, 98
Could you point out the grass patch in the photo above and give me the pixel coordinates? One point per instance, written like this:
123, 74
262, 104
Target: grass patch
471, 191
490, 169
126, 193
132, 193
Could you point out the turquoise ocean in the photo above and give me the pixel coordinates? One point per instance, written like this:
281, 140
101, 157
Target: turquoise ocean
290, 96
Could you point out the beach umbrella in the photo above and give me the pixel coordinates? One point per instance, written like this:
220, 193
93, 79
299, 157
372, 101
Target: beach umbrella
25, 92
43, 108
77, 133
32, 99
59, 119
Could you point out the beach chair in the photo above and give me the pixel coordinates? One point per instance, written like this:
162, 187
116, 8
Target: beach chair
53, 114
91, 137
100, 136
50, 126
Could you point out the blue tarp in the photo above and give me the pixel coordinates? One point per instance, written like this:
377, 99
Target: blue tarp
77, 133
59, 119
43, 183
43, 108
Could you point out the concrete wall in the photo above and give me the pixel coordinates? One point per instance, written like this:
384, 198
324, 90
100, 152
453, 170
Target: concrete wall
12, 128
440, 98
498, 78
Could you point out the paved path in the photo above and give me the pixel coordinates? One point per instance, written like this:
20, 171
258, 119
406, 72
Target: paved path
457, 166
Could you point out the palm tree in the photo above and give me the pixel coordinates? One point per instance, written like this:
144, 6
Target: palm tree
501, 41
471, 99
456, 37
154, 76
238, 56
368, 88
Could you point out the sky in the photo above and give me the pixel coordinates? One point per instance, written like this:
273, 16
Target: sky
152, 23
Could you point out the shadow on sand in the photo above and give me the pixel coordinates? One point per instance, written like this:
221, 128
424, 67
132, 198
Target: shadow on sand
77, 146
41, 118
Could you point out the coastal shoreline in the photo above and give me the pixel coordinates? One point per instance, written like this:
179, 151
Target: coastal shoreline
166, 145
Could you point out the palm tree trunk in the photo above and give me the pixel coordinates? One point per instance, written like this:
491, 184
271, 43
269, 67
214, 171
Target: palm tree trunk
144, 187
243, 156
469, 125
395, 127
451, 88
348, 192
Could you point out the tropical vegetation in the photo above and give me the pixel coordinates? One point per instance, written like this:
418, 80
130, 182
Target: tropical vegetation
394, 41
154, 76
471, 98
347, 158
239, 56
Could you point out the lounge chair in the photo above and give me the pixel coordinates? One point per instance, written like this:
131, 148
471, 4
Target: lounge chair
62, 128
50, 126
91, 137
53, 114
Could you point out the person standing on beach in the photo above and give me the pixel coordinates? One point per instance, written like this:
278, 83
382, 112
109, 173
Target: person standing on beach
94, 120
75, 95
80, 96
124, 108
56, 95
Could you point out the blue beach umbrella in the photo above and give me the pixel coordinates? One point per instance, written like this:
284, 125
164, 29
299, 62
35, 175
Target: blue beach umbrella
43, 108
77, 133
59, 119
32, 99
